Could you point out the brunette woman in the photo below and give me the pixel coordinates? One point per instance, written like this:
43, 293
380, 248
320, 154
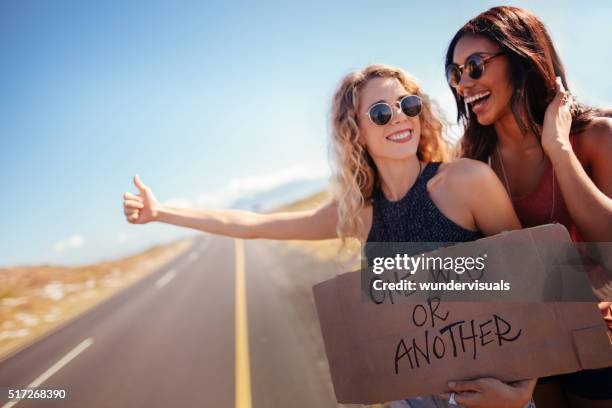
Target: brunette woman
552, 153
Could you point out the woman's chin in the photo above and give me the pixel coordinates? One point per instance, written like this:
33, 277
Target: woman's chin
491, 114
395, 155
406, 155
485, 120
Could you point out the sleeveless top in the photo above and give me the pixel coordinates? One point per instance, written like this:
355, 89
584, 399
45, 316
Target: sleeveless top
536, 208
415, 217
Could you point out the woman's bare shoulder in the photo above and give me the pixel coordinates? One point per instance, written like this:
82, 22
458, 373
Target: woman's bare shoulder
463, 172
595, 141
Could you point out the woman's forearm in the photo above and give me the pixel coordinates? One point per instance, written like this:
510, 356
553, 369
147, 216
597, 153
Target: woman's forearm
232, 223
588, 205
590, 209
304, 225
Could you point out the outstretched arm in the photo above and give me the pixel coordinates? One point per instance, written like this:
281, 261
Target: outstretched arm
314, 224
307, 225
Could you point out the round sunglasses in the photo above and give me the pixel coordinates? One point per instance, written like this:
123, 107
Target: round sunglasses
474, 65
381, 113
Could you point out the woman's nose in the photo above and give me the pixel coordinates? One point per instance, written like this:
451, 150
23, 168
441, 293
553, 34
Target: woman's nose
465, 82
398, 114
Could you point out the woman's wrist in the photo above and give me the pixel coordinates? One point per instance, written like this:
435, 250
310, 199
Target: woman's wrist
158, 212
560, 155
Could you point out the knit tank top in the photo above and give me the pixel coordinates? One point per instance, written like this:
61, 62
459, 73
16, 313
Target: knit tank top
415, 217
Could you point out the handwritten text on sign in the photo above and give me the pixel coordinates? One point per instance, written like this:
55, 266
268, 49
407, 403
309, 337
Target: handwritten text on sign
444, 339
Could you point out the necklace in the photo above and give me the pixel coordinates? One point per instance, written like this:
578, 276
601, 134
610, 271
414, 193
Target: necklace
507, 184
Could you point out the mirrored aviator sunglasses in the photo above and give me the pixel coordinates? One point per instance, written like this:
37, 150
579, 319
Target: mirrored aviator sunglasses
381, 113
474, 65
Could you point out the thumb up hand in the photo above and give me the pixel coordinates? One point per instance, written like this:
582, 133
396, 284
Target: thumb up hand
141, 208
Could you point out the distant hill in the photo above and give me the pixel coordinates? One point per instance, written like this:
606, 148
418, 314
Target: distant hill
281, 195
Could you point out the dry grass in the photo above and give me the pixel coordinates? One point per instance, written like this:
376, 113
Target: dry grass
36, 299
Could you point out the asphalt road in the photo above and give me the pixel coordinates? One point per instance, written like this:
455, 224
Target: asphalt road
170, 339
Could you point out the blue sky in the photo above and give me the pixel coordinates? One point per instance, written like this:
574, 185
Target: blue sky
208, 102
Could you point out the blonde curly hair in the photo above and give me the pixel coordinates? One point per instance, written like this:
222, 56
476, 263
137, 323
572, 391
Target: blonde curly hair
355, 172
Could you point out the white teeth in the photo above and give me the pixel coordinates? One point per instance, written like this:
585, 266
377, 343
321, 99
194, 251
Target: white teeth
400, 136
474, 98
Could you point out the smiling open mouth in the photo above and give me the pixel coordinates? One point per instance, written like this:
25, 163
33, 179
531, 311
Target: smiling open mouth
478, 101
400, 137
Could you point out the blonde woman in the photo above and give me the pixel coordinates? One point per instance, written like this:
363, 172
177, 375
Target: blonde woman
391, 184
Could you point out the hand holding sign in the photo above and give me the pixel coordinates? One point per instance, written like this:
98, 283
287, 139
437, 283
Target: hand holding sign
490, 392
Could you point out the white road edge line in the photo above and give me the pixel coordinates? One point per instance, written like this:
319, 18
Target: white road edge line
55, 368
204, 245
193, 256
161, 282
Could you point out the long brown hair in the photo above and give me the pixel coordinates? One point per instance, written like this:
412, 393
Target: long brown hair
534, 64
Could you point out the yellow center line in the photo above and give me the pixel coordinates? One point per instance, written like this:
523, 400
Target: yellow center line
243, 369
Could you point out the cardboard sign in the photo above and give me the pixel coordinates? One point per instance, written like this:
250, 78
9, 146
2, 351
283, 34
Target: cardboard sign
385, 352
